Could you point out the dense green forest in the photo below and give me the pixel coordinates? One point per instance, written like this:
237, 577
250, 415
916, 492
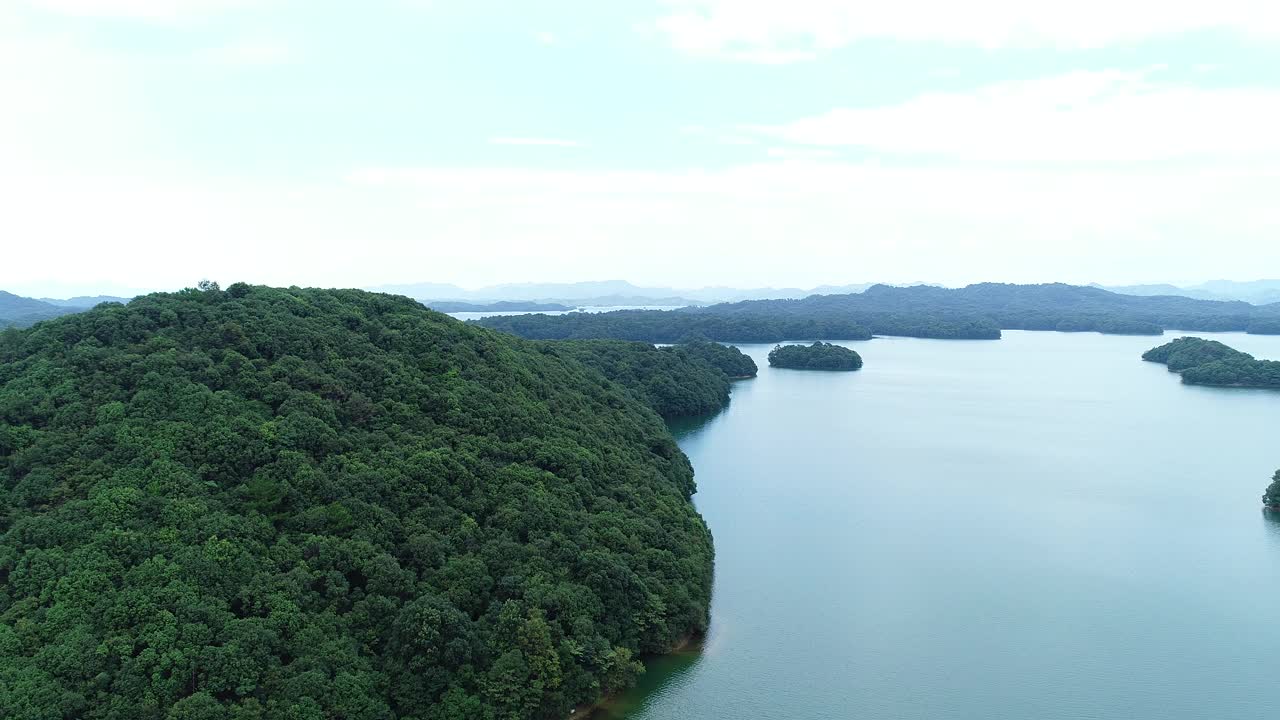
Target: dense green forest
1209, 362
1186, 352
727, 358
307, 504
818, 356
670, 380
1271, 498
668, 326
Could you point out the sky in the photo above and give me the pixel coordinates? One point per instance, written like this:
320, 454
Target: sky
147, 144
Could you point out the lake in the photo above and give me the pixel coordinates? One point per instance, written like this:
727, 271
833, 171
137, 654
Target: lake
1038, 527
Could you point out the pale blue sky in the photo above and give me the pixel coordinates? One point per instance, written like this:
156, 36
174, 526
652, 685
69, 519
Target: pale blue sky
148, 143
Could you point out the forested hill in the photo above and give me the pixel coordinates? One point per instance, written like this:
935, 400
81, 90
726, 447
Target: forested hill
266, 503
1020, 307
973, 312
670, 380
673, 326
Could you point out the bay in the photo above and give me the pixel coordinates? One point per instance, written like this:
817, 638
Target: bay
1038, 527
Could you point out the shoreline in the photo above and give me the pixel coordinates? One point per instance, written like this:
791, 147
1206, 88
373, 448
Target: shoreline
688, 643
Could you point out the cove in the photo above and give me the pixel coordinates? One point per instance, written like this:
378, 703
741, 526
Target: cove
1038, 527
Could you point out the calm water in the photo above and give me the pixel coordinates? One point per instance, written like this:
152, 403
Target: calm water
1039, 527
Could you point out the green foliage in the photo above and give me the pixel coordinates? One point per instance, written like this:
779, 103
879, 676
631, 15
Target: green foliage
1265, 326
1243, 372
671, 380
818, 356
728, 359
1209, 362
671, 326
1187, 352
979, 311
1271, 498
259, 503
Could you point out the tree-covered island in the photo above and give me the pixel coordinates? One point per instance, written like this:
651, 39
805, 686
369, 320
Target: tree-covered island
1209, 362
818, 356
271, 504
1271, 498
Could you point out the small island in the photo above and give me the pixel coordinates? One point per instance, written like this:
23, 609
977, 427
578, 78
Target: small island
818, 356
1209, 362
1271, 498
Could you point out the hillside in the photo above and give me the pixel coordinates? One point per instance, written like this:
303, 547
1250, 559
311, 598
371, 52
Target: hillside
267, 503
671, 381
1022, 307
667, 326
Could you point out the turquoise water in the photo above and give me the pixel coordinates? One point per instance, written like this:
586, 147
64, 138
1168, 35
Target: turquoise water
1038, 527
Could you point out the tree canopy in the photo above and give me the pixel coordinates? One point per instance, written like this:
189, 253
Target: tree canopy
672, 382
818, 356
1187, 352
672, 326
1271, 498
1209, 362
727, 358
289, 503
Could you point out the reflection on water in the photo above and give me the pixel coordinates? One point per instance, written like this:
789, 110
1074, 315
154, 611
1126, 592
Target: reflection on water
1271, 519
688, 427
662, 675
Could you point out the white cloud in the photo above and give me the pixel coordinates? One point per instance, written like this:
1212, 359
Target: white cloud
840, 220
544, 37
555, 142
793, 221
771, 31
152, 10
1078, 117
248, 52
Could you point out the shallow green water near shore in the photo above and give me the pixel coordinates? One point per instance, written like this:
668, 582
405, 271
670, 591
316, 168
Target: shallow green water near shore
1038, 527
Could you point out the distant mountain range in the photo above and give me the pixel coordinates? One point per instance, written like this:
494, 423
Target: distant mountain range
606, 293
609, 293
1254, 292
21, 311
85, 301
18, 311
974, 312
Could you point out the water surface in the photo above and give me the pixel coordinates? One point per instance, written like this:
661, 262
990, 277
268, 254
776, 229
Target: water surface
1039, 527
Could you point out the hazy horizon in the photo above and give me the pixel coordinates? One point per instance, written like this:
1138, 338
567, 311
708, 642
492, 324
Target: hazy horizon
675, 142
62, 292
